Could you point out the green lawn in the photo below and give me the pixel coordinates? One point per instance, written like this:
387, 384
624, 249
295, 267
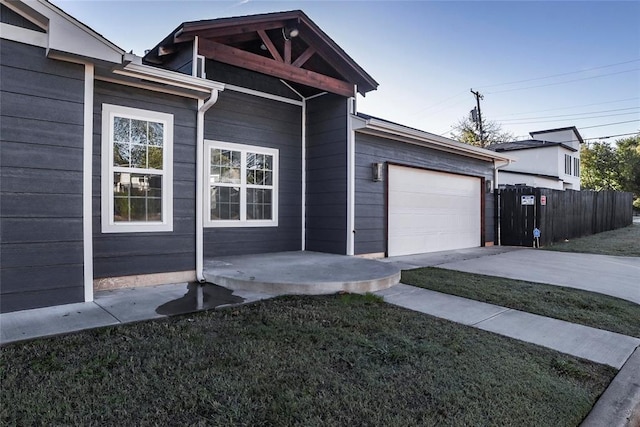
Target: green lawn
330, 360
621, 242
573, 305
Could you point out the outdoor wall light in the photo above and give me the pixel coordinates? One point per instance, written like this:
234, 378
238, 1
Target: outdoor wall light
488, 186
290, 33
376, 169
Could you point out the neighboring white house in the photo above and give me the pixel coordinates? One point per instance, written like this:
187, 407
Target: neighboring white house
550, 159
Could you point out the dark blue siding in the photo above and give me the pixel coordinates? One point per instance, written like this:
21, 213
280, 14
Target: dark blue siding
41, 128
326, 204
371, 201
249, 79
124, 254
247, 119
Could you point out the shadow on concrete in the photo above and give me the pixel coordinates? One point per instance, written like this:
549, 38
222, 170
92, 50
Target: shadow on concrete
214, 296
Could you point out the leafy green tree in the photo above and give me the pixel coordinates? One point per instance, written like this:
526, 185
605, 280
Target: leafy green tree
466, 131
628, 154
612, 167
598, 167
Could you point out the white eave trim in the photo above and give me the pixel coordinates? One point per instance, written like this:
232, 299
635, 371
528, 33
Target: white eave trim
401, 133
23, 35
81, 26
172, 78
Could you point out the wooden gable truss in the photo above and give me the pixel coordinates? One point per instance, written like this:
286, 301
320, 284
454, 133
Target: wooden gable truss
286, 45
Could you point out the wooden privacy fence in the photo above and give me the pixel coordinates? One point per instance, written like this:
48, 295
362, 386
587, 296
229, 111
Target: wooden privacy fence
558, 214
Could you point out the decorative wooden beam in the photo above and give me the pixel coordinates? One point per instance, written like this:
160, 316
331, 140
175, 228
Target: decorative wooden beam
270, 46
304, 57
287, 51
204, 31
240, 58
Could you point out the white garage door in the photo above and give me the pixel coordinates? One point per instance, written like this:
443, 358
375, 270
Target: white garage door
432, 211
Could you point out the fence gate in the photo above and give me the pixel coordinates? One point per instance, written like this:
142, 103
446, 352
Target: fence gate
518, 212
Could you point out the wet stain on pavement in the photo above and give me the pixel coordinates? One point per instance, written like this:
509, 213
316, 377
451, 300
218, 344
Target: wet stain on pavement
214, 296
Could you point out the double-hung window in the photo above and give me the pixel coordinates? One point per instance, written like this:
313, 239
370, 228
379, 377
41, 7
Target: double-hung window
137, 172
241, 185
576, 166
567, 164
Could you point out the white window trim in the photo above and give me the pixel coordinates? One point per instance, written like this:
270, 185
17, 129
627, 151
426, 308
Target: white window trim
208, 223
109, 111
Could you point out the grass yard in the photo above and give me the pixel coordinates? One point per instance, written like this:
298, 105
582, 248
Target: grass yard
330, 360
621, 242
574, 305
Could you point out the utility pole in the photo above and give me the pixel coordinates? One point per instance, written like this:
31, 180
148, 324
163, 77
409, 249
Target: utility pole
478, 121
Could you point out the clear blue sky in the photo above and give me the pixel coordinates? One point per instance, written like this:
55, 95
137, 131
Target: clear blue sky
426, 55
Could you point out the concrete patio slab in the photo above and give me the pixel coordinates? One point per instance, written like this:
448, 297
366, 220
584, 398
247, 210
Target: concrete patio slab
61, 319
300, 272
609, 275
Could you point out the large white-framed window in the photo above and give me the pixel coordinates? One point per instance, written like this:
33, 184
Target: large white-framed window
137, 170
241, 185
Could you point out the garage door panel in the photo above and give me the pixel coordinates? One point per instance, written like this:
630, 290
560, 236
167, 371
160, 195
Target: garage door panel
432, 211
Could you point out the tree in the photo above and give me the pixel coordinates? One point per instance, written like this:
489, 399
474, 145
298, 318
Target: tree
466, 131
598, 164
628, 154
612, 167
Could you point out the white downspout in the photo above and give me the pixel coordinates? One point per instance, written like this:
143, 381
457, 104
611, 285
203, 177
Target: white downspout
351, 176
202, 109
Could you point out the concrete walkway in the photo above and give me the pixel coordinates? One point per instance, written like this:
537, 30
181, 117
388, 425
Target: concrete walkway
609, 275
593, 344
116, 307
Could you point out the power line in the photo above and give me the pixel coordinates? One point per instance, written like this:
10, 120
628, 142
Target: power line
610, 124
573, 118
574, 106
438, 103
567, 115
567, 81
562, 74
612, 136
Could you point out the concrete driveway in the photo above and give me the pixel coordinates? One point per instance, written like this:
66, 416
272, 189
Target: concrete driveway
610, 275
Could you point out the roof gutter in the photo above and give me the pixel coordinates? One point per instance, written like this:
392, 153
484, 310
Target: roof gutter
135, 69
401, 133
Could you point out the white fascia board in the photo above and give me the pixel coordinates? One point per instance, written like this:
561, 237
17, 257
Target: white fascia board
171, 78
413, 136
66, 34
23, 35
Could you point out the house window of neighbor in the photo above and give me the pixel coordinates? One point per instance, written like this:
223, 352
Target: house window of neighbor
241, 185
576, 167
137, 171
567, 164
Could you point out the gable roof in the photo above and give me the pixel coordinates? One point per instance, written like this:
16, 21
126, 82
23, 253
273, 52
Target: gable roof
265, 43
570, 128
527, 145
364, 123
65, 34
